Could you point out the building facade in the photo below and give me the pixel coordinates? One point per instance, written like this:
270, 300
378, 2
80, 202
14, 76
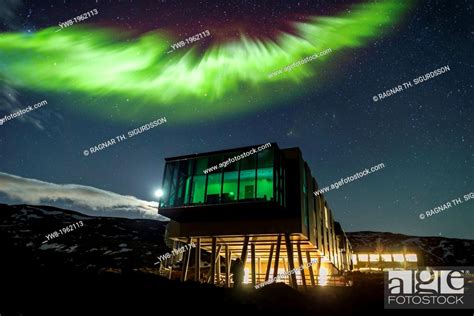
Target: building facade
260, 208
373, 259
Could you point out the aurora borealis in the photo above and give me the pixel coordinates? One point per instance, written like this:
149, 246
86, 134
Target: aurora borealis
104, 62
111, 74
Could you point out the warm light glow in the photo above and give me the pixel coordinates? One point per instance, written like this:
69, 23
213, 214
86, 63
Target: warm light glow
365, 269
363, 258
159, 193
374, 258
281, 271
323, 276
398, 257
411, 257
354, 259
387, 257
246, 275
326, 217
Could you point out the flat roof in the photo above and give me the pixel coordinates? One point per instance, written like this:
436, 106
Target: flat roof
218, 152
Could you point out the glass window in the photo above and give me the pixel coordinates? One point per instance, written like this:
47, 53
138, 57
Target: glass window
200, 166
184, 182
411, 257
265, 175
229, 190
214, 188
265, 183
354, 259
265, 158
187, 194
374, 258
249, 162
232, 166
398, 257
215, 161
247, 178
363, 257
386, 258
173, 184
166, 185
199, 189
247, 184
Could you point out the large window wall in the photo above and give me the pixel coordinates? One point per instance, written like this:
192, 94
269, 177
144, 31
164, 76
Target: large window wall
254, 178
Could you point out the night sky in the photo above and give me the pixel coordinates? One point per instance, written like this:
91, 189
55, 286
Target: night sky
423, 135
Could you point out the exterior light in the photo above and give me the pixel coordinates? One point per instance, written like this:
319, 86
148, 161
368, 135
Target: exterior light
159, 193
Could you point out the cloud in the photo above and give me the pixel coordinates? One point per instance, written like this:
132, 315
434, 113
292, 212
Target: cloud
9, 104
89, 200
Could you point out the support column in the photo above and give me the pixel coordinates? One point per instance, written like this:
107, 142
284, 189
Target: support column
277, 256
197, 261
300, 259
227, 266
310, 268
243, 256
252, 254
213, 260
259, 270
218, 267
269, 264
187, 255
289, 251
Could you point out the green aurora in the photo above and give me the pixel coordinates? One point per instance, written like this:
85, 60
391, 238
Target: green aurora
104, 65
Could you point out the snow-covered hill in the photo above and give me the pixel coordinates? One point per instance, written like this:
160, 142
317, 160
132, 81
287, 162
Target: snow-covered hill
101, 243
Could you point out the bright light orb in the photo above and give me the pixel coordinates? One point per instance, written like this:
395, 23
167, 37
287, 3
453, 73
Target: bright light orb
159, 193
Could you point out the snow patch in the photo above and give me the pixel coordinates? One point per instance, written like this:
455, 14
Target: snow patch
53, 246
71, 249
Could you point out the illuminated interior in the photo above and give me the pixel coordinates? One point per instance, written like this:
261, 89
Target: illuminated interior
323, 276
398, 257
411, 257
354, 258
326, 216
386, 257
374, 257
248, 179
246, 275
195, 199
383, 261
363, 257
